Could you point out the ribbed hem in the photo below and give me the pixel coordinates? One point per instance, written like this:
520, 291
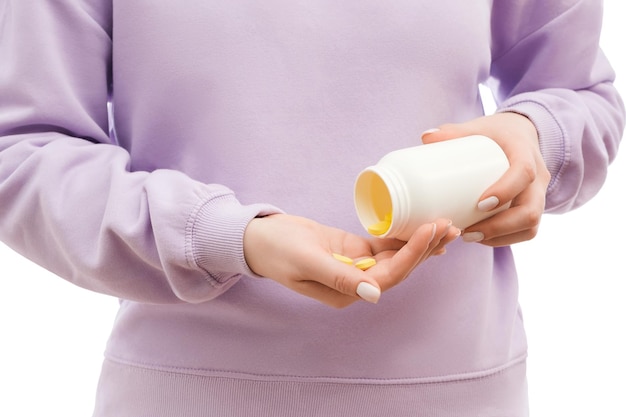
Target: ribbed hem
129, 391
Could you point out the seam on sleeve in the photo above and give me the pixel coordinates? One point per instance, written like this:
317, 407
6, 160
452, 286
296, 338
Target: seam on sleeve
528, 35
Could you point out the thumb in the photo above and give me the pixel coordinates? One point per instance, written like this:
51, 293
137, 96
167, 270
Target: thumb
336, 283
350, 280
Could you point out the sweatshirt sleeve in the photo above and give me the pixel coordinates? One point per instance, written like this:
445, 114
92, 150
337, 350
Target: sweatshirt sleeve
548, 66
69, 200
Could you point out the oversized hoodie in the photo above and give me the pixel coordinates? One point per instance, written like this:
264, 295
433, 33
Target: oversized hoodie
139, 138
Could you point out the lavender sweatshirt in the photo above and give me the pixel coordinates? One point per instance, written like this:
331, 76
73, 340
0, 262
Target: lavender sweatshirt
223, 111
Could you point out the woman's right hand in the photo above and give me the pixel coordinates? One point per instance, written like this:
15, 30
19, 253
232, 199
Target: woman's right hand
298, 253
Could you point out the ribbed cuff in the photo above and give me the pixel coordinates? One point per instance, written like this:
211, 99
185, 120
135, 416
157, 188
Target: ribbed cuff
215, 236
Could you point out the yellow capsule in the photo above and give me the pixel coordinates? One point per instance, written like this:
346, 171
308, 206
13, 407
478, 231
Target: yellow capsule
380, 227
365, 263
343, 259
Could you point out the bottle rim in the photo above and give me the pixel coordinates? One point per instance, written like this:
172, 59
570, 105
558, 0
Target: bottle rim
379, 191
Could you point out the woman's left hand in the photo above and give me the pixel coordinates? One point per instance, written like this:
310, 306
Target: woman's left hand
524, 184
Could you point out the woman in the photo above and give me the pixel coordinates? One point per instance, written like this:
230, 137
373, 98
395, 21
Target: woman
213, 207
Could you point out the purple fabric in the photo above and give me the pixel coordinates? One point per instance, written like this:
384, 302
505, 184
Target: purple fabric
227, 111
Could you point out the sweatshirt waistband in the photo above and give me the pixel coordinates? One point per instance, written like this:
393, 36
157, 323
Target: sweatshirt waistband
128, 390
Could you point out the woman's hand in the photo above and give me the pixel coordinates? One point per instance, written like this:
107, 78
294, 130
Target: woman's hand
524, 184
298, 253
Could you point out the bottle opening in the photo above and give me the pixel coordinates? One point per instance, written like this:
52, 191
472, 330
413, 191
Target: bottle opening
373, 203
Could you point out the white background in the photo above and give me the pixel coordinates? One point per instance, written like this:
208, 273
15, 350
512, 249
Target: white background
572, 279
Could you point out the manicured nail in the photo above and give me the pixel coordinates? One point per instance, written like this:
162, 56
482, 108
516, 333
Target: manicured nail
429, 131
488, 203
368, 292
473, 237
434, 232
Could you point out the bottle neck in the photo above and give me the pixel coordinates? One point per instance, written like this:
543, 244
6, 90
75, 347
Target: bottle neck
399, 198
382, 201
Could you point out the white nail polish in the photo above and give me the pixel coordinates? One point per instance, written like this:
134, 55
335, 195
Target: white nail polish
434, 232
368, 292
429, 131
488, 203
473, 237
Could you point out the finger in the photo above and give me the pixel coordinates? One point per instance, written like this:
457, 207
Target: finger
340, 278
511, 239
423, 241
453, 234
521, 173
513, 221
439, 252
324, 294
513, 182
445, 132
518, 223
379, 245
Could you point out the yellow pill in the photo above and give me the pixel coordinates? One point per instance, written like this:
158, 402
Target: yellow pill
365, 263
380, 227
343, 259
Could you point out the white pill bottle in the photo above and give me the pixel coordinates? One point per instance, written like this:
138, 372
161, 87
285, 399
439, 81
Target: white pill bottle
416, 185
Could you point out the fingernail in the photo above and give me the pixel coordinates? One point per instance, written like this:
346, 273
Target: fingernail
434, 232
488, 203
368, 292
429, 131
473, 237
